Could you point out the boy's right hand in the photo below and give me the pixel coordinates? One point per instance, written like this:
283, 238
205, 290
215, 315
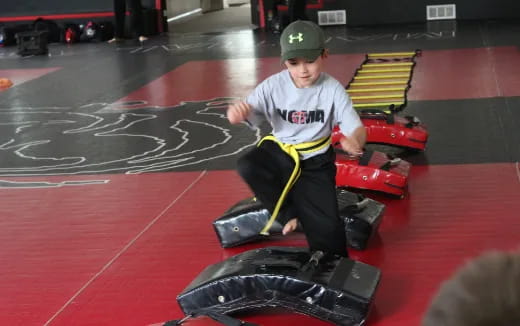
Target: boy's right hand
290, 226
238, 112
351, 146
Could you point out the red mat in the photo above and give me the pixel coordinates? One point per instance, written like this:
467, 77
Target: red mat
19, 76
466, 73
119, 253
233, 78
438, 75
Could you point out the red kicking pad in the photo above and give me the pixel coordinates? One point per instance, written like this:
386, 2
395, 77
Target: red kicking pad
373, 171
390, 129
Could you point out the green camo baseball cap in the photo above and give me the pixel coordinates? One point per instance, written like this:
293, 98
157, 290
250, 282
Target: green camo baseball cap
302, 39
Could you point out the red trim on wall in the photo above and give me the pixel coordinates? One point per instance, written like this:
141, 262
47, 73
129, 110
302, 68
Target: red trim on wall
262, 13
160, 17
62, 16
160, 26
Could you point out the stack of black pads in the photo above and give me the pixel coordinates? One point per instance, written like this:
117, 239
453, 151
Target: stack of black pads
331, 288
325, 286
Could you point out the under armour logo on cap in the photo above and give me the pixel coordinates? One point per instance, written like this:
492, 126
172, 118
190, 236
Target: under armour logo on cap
302, 39
298, 37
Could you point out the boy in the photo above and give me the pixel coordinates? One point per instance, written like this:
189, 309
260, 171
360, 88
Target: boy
292, 172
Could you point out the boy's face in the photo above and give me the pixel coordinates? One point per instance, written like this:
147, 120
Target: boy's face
304, 72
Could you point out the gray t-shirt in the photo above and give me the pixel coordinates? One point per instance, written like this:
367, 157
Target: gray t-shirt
299, 115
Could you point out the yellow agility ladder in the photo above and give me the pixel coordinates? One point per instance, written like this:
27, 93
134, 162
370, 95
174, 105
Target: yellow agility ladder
294, 152
382, 81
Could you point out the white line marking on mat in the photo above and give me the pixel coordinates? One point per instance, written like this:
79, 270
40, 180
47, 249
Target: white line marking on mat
125, 248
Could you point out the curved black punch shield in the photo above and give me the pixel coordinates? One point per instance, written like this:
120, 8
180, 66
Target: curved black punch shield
331, 288
243, 222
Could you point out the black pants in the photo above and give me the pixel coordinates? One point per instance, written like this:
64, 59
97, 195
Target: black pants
136, 17
312, 199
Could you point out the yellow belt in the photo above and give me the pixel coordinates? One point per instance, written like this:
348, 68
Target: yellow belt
294, 152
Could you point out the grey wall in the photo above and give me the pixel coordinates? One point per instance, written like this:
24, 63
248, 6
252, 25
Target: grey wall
177, 7
211, 5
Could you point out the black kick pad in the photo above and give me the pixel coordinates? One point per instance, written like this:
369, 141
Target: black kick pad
243, 222
362, 217
335, 289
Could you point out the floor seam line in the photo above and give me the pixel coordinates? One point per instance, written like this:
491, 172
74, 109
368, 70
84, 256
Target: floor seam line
125, 248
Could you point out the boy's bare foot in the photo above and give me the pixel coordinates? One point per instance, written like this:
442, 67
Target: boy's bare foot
290, 226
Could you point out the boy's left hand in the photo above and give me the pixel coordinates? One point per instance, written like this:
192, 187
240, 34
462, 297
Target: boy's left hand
351, 146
